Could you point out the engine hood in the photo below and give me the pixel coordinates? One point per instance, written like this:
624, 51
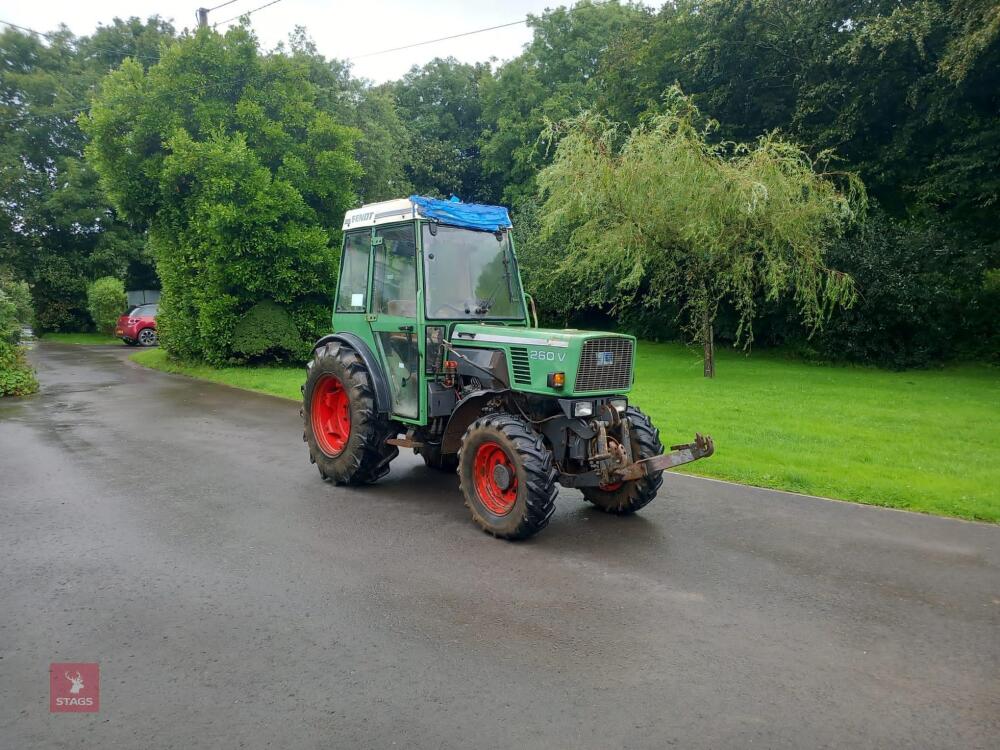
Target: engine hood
557, 338
593, 362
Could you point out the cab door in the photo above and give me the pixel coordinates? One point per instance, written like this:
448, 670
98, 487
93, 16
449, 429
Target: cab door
393, 316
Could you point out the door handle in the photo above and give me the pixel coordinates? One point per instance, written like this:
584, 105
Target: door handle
408, 329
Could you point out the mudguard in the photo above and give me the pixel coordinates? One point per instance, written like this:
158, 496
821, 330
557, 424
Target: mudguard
383, 399
465, 413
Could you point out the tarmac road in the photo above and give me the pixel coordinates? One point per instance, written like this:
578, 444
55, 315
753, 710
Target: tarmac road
175, 532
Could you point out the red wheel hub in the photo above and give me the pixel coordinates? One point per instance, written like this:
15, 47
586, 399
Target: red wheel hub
331, 415
495, 478
610, 487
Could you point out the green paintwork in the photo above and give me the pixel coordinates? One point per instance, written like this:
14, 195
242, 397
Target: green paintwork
549, 350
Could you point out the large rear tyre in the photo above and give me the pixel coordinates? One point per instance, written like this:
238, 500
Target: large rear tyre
345, 434
505, 473
625, 498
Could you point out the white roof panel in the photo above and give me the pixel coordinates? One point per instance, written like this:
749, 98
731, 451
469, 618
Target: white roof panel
371, 214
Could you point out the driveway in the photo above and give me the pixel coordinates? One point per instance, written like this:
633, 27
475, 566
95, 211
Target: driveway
175, 532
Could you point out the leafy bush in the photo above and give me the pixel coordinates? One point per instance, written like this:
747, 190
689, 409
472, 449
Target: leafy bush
267, 332
922, 295
106, 300
16, 376
10, 326
19, 293
59, 296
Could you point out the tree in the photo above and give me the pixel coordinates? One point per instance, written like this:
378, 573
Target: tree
441, 104
242, 180
383, 147
106, 300
555, 78
56, 227
905, 90
659, 213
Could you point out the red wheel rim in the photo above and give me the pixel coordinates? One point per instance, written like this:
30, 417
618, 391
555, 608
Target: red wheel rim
331, 415
491, 465
610, 487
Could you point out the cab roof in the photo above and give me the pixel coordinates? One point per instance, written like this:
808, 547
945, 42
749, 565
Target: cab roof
453, 212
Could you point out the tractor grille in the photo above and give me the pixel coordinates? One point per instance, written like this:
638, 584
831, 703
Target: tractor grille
605, 365
520, 365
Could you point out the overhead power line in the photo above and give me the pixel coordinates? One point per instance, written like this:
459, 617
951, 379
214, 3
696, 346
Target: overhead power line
440, 39
249, 12
572, 9
24, 28
221, 5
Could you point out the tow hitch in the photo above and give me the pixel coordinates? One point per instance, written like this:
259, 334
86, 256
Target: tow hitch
620, 471
702, 447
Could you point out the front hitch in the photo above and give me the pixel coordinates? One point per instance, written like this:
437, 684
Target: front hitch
702, 447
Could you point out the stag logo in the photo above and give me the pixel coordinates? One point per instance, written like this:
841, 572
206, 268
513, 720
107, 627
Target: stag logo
74, 687
77, 683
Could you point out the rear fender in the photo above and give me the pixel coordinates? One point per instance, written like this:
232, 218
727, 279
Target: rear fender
383, 399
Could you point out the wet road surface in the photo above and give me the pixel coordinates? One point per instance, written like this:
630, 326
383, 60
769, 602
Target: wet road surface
175, 532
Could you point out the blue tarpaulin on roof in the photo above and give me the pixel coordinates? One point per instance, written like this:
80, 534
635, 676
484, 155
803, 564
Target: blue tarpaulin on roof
456, 213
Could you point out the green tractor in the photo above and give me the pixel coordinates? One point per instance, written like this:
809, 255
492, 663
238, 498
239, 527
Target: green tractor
434, 351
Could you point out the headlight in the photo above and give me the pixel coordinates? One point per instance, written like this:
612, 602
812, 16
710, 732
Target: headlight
620, 404
583, 409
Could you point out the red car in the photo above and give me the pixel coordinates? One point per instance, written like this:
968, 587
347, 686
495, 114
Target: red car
138, 326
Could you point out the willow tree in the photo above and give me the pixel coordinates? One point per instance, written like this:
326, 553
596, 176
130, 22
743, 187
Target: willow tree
660, 213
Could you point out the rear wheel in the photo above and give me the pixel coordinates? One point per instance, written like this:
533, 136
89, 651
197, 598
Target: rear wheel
625, 498
344, 431
147, 337
506, 475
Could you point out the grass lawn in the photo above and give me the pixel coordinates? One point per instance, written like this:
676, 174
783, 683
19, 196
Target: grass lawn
921, 440
81, 338
277, 381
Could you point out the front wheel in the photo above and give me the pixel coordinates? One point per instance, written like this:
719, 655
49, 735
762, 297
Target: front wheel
505, 473
625, 498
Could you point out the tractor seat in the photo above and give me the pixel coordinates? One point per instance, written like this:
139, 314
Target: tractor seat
404, 308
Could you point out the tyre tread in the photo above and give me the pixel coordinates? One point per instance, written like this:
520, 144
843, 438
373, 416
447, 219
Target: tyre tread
541, 475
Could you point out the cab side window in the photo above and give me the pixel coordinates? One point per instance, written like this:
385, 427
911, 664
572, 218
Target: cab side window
396, 272
352, 288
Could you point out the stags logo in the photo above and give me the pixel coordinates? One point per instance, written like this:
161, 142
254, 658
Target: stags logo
74, 687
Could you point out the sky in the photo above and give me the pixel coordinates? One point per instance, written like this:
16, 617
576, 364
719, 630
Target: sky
340, 29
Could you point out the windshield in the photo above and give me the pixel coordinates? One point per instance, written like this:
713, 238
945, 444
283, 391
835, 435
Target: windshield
470, 274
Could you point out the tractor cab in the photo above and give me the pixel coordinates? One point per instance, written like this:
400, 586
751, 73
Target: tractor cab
433, 350
415, 264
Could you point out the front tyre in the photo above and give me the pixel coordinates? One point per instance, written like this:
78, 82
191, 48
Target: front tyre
625, 498
344, 431
505, 473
